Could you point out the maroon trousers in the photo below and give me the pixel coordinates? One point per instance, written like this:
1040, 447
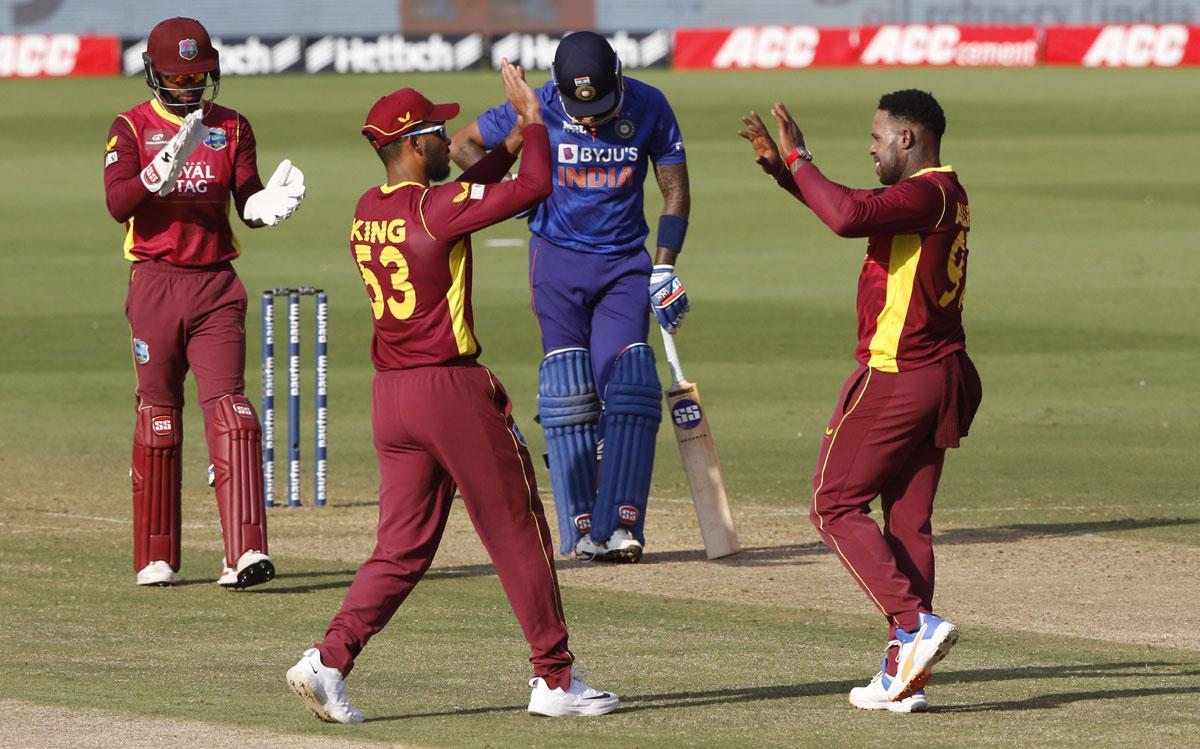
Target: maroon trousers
186, 318
437, 428
880, 443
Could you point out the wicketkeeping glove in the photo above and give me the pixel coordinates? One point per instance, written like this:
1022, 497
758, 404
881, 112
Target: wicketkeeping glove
279, 199
164, 170
667, 297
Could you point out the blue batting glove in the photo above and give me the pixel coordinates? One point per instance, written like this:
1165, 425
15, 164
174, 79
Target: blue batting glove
667, 297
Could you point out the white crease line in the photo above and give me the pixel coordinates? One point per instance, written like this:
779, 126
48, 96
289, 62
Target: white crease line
114, 521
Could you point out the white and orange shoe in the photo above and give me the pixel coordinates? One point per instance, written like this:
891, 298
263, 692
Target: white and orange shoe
919, 652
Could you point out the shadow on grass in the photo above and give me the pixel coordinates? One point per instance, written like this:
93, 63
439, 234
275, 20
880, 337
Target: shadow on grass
735, 695
763, 556
1024, 531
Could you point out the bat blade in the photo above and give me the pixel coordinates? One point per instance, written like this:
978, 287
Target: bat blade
702, 469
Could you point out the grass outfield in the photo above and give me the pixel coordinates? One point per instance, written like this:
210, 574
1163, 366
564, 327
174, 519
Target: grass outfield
1080, 313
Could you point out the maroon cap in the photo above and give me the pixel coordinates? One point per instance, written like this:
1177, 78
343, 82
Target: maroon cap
181, 45
401, 111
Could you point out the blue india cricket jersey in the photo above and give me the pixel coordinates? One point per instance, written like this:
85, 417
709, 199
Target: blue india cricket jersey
596, 203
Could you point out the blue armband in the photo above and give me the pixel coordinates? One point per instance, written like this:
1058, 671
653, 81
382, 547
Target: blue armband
671, 231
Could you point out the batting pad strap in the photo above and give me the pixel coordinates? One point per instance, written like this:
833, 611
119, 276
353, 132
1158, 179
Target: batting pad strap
237, 462
671, 231
566, 389
632, 412
568, 408
157, 482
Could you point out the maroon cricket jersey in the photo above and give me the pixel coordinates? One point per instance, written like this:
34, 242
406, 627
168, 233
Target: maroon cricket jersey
412, 245
190, 226
911, 287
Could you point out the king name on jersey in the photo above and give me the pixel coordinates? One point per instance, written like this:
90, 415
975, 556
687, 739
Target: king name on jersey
609, 165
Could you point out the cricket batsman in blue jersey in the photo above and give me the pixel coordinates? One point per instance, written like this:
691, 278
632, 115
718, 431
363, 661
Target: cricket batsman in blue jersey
593, 286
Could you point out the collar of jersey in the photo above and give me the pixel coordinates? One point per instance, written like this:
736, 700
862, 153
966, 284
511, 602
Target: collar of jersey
947, 168
389, 189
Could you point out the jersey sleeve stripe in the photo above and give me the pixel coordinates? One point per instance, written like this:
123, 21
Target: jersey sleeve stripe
942, 215
421, 213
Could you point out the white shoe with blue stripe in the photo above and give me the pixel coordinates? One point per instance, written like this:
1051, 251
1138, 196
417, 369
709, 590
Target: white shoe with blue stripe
919, 652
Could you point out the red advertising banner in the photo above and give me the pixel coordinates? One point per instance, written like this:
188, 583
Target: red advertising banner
946, 45
59, 55
1134, 46
763, 47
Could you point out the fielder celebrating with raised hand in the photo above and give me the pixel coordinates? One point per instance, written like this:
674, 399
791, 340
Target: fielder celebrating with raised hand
441, 420
171, 166
589, 273
914, 392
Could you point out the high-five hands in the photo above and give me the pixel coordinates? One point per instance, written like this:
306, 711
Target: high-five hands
279, 199
522, 98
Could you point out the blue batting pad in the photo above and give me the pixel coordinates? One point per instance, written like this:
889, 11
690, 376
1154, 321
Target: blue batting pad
568, 409
632, 412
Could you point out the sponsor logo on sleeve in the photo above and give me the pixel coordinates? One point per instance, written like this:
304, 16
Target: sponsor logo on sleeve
628, 514
112, 143
110, 159
141, 349
476, 192
162, 425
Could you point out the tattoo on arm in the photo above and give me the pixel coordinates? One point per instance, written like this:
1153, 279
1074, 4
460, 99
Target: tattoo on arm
673, 183
466, 147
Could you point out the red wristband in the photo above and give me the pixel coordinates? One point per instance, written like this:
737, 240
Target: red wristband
791, 158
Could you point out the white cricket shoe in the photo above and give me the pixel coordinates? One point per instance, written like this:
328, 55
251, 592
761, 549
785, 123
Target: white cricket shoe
622, 548
156, 573
587, 549
253, 568
323, 689
580, 699
919, 652
874, 696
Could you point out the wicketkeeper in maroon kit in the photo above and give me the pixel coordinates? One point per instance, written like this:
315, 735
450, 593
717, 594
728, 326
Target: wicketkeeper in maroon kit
171, 166
914, 392
442, 420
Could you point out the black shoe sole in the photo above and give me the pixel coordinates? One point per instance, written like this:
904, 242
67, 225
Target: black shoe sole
255, 574
632, 555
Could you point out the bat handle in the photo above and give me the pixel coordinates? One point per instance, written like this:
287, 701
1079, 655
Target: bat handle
672, 355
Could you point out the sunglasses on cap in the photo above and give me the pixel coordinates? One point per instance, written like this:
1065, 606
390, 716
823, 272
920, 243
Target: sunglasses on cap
182, 79
439, 130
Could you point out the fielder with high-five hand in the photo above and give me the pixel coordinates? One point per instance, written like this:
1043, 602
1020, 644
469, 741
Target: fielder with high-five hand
914, 392
442, 421
171, 166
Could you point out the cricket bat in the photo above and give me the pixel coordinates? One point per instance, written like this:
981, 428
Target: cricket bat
700, 464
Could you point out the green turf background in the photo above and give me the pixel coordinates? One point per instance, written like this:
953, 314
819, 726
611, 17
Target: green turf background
1081, 314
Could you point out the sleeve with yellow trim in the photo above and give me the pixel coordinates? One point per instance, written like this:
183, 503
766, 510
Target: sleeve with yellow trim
123, 188
907, 207
459, 208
